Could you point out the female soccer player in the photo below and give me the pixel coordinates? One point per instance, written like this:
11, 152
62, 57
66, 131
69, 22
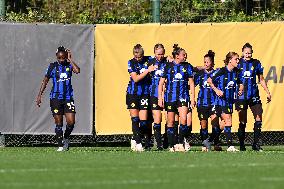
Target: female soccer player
61, 95
137, 94
250, 70
224, 82
205, 104
177, 74
159, 62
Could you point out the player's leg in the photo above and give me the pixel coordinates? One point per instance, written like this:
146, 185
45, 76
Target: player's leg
57, 109
183, 128
157, 128
165, 136
70, 120
257, 113
170, 129
227, 117
132, 103
241, 107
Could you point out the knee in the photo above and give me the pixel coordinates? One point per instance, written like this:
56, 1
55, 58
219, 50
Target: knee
70, 122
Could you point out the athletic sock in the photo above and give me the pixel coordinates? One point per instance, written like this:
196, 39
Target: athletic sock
68, 131
171, 136
228, 134
242, 133
157, 134
136, 129
183, 129
176, 132
165, 138
218, 132
59, 135
257, 132
203, 134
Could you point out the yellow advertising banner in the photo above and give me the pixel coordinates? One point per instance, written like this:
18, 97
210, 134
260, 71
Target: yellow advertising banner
114, 43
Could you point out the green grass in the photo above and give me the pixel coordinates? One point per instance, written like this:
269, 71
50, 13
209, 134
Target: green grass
119, 168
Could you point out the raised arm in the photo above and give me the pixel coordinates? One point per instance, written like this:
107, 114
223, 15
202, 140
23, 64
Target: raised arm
138, 77
215, 89
76, 68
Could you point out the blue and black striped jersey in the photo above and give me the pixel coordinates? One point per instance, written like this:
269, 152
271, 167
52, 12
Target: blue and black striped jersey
177, 76
61, 77
141, 87
156, 75
206, 95
227, 82
249, 70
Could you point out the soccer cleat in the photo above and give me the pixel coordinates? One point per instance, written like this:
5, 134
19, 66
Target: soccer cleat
179, 148
242, 148
207, 144
133, 145
187, 146
204, 149
139, 148
256, 147
60, 149
232, 149
171, 149
66, 144
217, 147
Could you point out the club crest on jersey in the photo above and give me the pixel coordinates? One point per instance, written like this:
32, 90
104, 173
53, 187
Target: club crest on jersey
67, 69
206, 85
183, 70
55, 111
230, 85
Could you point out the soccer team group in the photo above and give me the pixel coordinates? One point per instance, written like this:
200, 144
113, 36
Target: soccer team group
168, 83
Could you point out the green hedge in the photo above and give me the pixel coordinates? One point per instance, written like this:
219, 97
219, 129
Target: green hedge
137, 11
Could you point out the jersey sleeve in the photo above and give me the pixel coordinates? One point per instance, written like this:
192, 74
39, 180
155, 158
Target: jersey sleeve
259, 68
131, 67
190, 70
49, 71
196, 78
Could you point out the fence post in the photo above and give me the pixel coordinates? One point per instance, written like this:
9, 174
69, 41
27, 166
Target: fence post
156, 10
2, 9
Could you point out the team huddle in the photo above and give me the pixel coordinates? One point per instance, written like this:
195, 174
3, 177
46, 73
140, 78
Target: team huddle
169, 83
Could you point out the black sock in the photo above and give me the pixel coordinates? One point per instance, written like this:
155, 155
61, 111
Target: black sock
68, 131
171, 136
242, 133
59, 135
143, 127
188, 131
218, 132
228, 134
204, 134
182, 133
136, 129
157, 134
165, 138
257, 132
176, 131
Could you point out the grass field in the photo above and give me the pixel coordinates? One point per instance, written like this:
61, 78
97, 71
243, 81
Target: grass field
119, 168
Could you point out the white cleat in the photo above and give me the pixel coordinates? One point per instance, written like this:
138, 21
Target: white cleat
171, 149
179, 148
187, 146
66, 144
139, 148
232, 149
60, 149
204, 149
133, 145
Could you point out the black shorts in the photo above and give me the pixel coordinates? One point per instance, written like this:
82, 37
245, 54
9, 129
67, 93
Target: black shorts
60, 107
154, 103
204, 112
219, 110
137, 102
173, 106
244, 104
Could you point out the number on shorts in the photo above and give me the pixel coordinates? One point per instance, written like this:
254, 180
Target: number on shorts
71, 105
